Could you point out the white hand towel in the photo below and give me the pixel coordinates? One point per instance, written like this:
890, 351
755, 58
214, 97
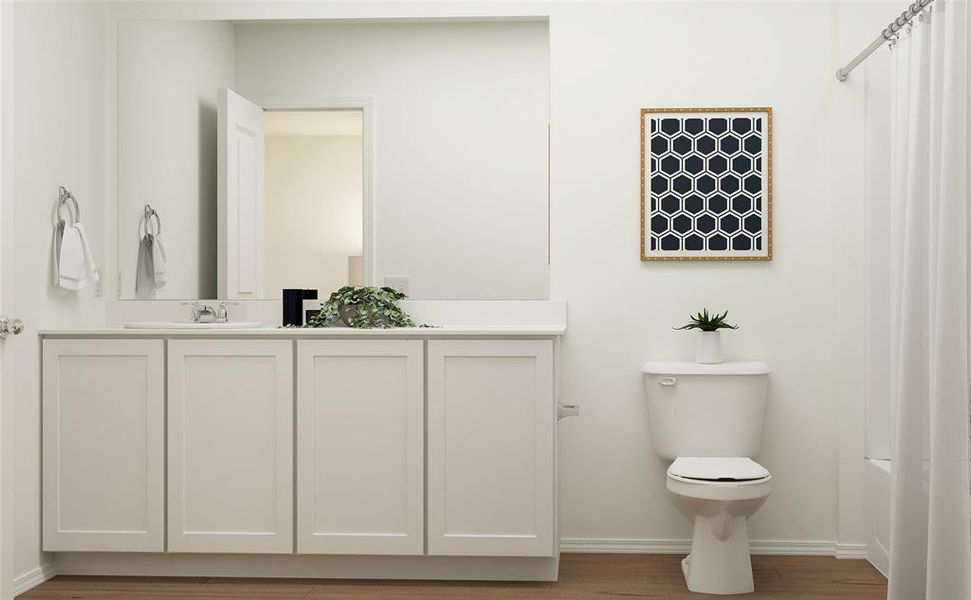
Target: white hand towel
93, 274
158, 263
76, 267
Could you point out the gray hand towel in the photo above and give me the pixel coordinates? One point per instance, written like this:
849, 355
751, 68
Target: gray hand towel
56, 253
145, 270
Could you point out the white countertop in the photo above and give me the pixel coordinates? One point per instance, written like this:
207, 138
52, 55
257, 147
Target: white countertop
450, 318
301, 332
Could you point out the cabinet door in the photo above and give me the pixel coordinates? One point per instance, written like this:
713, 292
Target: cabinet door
103, 445
359, 457
491, 420
230, 485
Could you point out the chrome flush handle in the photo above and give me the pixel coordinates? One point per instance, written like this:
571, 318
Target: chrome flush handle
10, 326
667, 381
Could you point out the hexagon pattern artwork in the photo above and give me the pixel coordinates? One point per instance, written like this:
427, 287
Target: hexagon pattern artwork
705, 189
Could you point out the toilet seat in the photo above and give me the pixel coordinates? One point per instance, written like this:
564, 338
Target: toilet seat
718, 470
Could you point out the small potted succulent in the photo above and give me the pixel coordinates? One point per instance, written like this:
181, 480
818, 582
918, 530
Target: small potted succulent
709, 341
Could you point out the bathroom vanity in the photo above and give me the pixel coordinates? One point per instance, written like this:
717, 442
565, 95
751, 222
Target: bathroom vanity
415, 453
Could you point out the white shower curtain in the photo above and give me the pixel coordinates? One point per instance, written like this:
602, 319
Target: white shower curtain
930, 541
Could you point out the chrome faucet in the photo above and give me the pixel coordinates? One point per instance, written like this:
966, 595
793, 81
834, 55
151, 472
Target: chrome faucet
200, 313
207, 313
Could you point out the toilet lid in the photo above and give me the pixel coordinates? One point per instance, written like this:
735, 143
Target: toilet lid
717, 468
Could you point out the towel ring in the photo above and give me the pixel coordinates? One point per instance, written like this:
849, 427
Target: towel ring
62, 200
146, 221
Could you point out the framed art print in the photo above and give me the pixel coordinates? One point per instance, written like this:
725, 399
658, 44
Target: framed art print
706, 184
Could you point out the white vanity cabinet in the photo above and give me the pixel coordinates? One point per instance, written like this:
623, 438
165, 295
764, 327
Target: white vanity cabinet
491, 421
230, 446
397, 453
103, 445
360, 424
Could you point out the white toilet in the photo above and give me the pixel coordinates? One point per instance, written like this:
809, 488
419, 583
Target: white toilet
708, 420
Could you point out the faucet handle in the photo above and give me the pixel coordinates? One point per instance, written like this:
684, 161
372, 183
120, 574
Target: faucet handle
196, 309
220, 312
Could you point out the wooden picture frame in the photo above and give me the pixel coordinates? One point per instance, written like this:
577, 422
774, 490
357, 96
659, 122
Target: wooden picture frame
706, 184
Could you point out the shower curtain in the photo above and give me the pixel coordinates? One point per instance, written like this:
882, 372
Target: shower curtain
930, 540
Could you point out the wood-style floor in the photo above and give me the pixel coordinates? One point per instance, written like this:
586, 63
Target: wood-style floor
582, 576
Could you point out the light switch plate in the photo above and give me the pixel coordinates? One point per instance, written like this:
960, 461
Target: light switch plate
398, 282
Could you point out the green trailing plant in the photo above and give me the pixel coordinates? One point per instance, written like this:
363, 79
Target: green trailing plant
708, 322
362, 308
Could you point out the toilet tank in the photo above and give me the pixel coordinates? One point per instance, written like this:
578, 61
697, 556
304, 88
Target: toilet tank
706, 410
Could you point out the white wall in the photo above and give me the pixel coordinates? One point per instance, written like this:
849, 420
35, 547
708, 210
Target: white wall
58, 128
314, 211
460, 140
168, 76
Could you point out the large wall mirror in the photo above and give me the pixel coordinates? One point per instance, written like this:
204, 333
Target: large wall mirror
257, 156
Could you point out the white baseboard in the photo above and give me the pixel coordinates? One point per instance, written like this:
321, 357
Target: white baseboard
651, 546
851, 551
879, 558
624, 546
33, 578
46, 571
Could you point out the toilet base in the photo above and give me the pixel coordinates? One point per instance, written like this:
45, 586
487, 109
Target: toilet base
719, 562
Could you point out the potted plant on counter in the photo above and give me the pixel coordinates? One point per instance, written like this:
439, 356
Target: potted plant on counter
709, 340
362, 308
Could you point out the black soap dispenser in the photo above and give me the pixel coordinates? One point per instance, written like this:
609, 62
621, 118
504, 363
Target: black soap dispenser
292, 307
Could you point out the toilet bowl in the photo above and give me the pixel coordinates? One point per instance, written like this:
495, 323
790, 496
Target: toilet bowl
707, 419
718, 495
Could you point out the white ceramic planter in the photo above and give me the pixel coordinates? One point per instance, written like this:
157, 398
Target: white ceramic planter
709, 348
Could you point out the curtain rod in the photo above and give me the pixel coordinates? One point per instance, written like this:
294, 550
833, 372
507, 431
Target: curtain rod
888, 34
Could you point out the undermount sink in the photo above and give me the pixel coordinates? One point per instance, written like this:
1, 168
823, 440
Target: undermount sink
192, 325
